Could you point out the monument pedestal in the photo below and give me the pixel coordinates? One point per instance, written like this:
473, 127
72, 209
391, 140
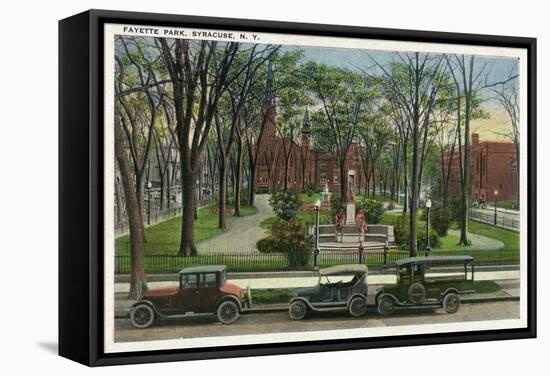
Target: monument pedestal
350, 213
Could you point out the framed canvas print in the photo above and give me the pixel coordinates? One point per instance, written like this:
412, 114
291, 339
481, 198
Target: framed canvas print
240, 187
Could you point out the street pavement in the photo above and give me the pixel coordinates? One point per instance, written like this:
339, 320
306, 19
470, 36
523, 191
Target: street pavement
278, 322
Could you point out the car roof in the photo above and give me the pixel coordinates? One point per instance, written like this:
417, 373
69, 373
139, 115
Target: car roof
203, 269
344, 269
434, 260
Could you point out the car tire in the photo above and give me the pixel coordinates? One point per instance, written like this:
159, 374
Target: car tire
451, 303
386, 305
227, 312
417, 293
297, 310
357, 306
142, 316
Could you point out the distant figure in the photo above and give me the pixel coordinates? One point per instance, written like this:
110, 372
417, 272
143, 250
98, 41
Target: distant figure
361, 224
339, 221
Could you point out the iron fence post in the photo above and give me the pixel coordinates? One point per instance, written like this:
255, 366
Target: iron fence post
385, 252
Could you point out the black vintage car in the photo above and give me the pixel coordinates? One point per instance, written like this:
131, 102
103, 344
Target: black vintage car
342, 287
428, 282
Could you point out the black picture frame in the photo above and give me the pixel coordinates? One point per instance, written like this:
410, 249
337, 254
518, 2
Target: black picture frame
81, 186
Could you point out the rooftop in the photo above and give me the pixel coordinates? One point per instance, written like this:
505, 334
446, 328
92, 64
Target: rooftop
344, 269
203, 269
434, 260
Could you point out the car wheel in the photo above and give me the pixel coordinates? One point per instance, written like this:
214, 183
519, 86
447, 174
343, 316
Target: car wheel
451, 302
228, 312
358, 306
417, 293
297, 310
142, 316
386, 305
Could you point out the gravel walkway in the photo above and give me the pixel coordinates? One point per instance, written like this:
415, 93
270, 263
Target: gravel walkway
242, 233
479, 241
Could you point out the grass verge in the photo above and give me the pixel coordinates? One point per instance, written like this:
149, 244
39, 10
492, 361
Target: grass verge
164, 238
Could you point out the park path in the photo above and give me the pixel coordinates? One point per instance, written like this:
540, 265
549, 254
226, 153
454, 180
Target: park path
479, 241
242, 233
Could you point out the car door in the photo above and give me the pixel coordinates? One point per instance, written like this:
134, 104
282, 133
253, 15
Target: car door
189, 293
208, 292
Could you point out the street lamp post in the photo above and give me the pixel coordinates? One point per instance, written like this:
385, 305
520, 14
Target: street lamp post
316, 252
149, 186
427, 248
496, 194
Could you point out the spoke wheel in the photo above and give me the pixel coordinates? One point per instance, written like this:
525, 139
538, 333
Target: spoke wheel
451, 303
358, 307
228, 312
386, 305
142, 316
297, 310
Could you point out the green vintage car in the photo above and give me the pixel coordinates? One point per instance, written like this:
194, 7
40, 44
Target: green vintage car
427, 282
340, 288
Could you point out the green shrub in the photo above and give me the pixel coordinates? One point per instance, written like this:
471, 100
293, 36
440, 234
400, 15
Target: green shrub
311, 189
285, 204
401, 231
267, 245
454, 209
336, 203
440, 221
374, 210
290, 237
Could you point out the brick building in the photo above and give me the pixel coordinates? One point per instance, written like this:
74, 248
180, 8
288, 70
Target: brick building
492, 166
306, 164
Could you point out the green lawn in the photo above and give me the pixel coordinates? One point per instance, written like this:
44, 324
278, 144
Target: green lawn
508, 237
164, 238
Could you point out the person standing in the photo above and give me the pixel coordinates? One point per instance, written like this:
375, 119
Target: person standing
339, 221
361, 222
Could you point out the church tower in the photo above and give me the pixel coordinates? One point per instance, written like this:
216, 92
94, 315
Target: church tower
306, 131
269, 106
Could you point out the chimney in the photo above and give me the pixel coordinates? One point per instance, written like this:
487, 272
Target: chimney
475, 138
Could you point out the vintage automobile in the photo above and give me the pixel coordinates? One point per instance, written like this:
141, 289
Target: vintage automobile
332, 293
202, 290
419, 286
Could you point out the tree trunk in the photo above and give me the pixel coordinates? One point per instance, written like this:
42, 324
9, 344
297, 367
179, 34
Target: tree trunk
238, 177
343, 182
222, 194
414, 195
138, 281
188, 193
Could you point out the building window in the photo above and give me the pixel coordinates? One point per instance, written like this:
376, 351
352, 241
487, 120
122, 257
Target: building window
322, 165
323, 178
335, 179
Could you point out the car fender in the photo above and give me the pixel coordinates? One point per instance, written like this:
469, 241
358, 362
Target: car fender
382, 293
449, 290
379, 292
357, 294
147, 302
306, 301
232, 298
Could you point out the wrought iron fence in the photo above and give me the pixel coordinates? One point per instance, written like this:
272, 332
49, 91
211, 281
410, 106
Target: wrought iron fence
503, 220
279, 261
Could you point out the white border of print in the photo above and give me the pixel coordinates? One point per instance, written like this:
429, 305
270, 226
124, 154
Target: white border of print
110, 346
